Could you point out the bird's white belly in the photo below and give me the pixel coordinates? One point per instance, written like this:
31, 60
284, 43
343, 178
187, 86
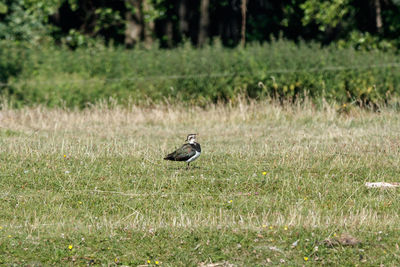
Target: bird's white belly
194, 157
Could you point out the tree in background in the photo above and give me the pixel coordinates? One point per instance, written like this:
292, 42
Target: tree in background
26, 20
139, 21
366, 24
204, 21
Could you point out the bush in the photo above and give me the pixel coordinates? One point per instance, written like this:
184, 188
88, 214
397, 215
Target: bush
12, 57
283, 70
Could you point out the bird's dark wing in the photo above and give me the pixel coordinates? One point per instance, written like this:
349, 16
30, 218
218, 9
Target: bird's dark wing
183, 153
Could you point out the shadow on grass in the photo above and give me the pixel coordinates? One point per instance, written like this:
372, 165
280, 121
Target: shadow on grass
182, 168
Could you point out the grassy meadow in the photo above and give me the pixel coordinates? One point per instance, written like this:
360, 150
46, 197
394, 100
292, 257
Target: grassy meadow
274, 186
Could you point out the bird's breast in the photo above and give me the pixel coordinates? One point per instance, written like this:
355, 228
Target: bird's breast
194, 157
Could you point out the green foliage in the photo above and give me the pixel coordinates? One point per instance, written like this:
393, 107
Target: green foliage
328, 13
12, 58
81, 22
366, 42
26, 20
3, 8
280, 70
76, 39
106, 18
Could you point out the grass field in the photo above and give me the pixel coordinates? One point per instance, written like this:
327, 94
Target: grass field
274, 186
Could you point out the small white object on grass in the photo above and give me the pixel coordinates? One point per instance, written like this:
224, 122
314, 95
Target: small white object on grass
276, 249
381, 184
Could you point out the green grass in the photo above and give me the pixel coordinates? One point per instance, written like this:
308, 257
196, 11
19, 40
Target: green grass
113, 200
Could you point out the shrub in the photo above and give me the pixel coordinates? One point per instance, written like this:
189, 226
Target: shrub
12, 56
59, 76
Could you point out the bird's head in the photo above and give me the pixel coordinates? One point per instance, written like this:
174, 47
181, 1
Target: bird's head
191, 138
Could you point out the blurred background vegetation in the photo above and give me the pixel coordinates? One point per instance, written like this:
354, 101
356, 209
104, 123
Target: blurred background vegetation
366, 24
77, 52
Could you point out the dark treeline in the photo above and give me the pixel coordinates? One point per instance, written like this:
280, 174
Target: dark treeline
365, 23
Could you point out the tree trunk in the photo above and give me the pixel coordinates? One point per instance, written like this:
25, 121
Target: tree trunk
204, 22
169, 32
183, 23
134, 27
243, 30
89, 18
378, 16
148, 25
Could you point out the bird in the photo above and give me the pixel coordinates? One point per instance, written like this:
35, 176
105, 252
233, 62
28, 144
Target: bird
188, 152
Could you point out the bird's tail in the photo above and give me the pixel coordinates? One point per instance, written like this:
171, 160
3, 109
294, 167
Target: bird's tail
169, 157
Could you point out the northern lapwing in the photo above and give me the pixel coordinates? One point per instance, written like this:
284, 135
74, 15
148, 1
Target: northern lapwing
188, 152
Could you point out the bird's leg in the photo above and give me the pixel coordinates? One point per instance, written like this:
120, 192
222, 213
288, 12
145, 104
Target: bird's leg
187, 167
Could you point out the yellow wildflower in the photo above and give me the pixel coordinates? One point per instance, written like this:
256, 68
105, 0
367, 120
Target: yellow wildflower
264, 173
70, 247
305, 258
65, 156
230, 201
285, 228
157, 262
